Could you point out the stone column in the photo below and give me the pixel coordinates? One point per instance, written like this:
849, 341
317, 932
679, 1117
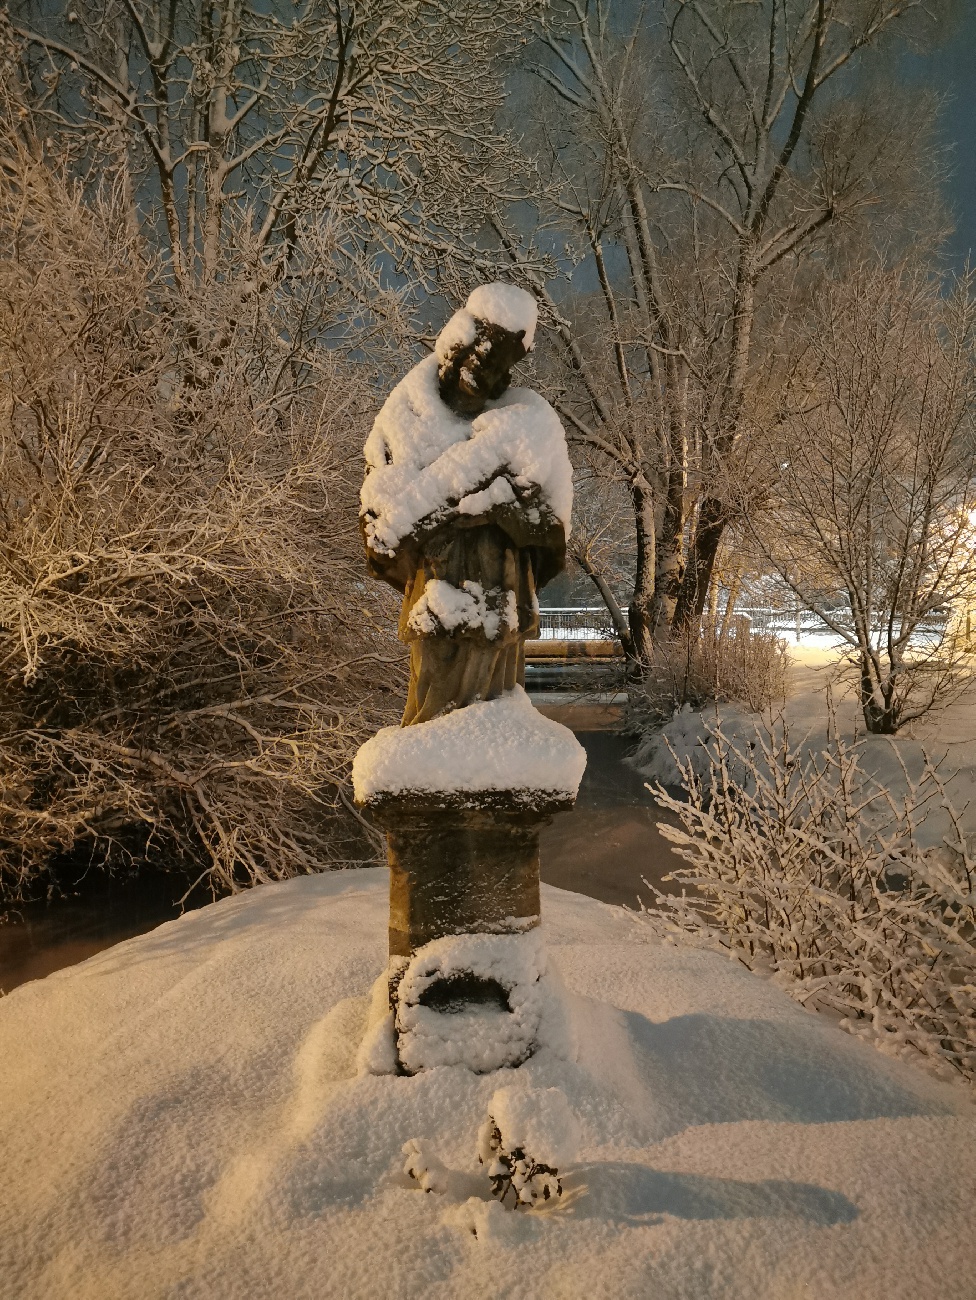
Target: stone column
462, 799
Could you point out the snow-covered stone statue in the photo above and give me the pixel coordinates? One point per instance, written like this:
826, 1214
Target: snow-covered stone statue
466, 503
465, 509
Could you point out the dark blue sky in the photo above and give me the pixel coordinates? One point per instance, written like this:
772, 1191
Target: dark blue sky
950, 68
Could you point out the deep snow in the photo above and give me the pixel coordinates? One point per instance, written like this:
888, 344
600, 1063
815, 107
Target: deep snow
181, 1117
946, 736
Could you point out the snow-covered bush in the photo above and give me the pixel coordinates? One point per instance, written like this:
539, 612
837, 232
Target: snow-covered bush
424, 1166
527, 1137
804, 866
189, 657
529, 1134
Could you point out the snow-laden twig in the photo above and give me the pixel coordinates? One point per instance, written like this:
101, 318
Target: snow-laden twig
805, 867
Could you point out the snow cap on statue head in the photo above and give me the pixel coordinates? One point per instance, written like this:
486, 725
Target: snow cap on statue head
499, 304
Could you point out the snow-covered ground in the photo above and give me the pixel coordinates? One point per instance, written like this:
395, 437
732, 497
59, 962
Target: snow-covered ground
946, 735
181, 1117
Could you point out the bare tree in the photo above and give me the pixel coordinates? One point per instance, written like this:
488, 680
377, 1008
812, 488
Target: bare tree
598, 540
188, 653
872, 520
198, 204
696, 159
346, 142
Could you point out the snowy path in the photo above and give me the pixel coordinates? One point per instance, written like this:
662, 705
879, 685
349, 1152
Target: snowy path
180, 1118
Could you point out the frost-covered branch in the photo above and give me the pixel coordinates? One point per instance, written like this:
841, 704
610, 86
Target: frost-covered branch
803, 866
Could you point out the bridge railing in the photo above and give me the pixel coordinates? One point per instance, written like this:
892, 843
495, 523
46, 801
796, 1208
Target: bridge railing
576, 623
593, 622
803, 621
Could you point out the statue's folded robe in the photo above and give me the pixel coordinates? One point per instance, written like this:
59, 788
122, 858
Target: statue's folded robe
515, 547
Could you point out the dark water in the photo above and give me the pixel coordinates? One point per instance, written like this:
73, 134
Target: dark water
39, 938
610, 840
602, 848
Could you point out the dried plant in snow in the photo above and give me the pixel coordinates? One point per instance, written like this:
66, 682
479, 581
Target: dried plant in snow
720, 662
188, 654
803, 865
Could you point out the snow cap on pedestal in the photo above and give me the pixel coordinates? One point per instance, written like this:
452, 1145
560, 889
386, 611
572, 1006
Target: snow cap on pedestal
492, 745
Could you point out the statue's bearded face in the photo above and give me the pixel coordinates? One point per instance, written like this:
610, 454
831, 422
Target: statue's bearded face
480, 371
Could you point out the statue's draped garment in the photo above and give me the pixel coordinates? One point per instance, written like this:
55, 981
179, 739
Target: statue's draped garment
510, 553
466, 516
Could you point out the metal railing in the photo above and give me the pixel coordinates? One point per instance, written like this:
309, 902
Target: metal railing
593, 622
782, 621
802, 621
576, 623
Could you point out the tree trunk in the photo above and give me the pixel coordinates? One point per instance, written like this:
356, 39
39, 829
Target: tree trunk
700, 563
617, 616
879, 719
641, 611
712, 516
667, 578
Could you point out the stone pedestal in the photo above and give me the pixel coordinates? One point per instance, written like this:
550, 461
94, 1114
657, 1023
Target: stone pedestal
462, 868
460, 801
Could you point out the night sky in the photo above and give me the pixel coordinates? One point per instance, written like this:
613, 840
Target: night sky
951, 69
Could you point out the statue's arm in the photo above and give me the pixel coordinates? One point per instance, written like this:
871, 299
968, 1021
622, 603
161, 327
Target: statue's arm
532, 526
397, 569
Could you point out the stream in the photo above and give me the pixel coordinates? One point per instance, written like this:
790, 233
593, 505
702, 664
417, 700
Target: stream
602, 849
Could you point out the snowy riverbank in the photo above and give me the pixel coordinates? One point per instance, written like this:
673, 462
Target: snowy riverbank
181, 1118
945, 736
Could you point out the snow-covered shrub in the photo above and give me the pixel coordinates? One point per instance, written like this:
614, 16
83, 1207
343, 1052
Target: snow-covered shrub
529, 1134
424, 1166
803, 865
718, 663
189, 657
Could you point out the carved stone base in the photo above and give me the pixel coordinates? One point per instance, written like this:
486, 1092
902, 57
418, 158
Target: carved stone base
462, 867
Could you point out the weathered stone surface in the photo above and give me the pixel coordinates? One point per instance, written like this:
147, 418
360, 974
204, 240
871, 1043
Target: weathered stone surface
507, 553
457, 870
470, 560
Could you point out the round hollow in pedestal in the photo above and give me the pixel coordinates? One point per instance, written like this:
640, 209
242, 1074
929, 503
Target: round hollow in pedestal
455, 993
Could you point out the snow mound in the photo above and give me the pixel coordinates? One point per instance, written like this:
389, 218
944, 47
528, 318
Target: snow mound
684, 742
182, 1117
459, 332
492, 745
414, 424
423, 460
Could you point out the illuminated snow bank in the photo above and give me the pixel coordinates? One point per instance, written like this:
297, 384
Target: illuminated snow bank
182, 1115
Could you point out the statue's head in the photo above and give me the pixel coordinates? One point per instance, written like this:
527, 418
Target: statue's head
480, 344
